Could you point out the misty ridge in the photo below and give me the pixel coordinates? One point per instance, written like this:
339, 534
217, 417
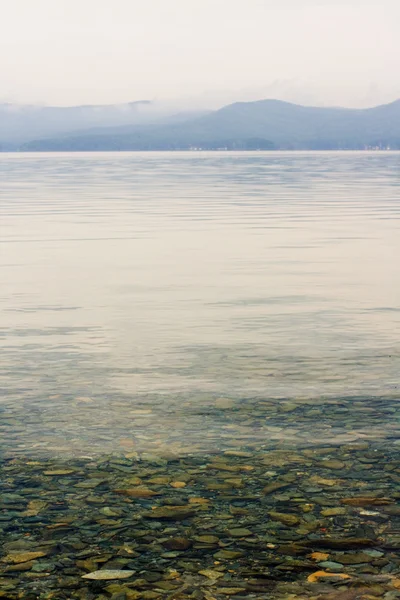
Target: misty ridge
22, 123
144, 125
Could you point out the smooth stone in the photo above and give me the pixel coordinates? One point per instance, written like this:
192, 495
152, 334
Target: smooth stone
220, 466
211, 574
173, 513
22, 557
162, 480
286, 519
324, 575
238, 453
168, 586
316, 479
367, 501
354, 559
89, 484
207, 539
237, 510
137, 492
354, 446
320, 556
273, 487
331, 565
333, 512
288, 407
177, 543
109, 512
216, 486
239, 532
105, 574
59, 472
236, 482
296, 550
180, 502
228, 554
26, 566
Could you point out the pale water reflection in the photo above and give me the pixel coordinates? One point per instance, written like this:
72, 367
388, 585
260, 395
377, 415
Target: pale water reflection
138, 290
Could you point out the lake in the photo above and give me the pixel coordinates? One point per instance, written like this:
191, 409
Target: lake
136, 282
200, 376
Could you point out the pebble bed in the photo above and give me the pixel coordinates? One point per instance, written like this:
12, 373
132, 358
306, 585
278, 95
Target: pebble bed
283, 519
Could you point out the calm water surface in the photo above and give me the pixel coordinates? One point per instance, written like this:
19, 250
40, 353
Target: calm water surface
151, 300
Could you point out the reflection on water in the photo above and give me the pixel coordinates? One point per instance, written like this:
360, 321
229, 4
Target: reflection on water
184, 301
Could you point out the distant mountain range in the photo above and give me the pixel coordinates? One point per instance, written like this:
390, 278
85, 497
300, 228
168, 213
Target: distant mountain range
265, 124
24, 123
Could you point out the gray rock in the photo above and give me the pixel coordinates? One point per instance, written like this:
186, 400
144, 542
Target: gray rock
331, 565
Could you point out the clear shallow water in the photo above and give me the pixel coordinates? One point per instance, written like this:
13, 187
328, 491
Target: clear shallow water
139, 289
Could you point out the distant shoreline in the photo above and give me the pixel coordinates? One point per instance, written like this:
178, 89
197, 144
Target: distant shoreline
204, 151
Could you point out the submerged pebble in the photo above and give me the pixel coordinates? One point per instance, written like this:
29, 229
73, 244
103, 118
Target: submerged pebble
107, 574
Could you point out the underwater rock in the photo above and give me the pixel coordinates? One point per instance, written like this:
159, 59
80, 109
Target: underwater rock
105, 574
22, 557
286, 519
173, 513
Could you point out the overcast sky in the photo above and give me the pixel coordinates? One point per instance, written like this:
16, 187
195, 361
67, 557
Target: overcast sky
339, 52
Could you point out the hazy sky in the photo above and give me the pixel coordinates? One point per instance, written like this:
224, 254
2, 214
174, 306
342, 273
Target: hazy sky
211, 51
